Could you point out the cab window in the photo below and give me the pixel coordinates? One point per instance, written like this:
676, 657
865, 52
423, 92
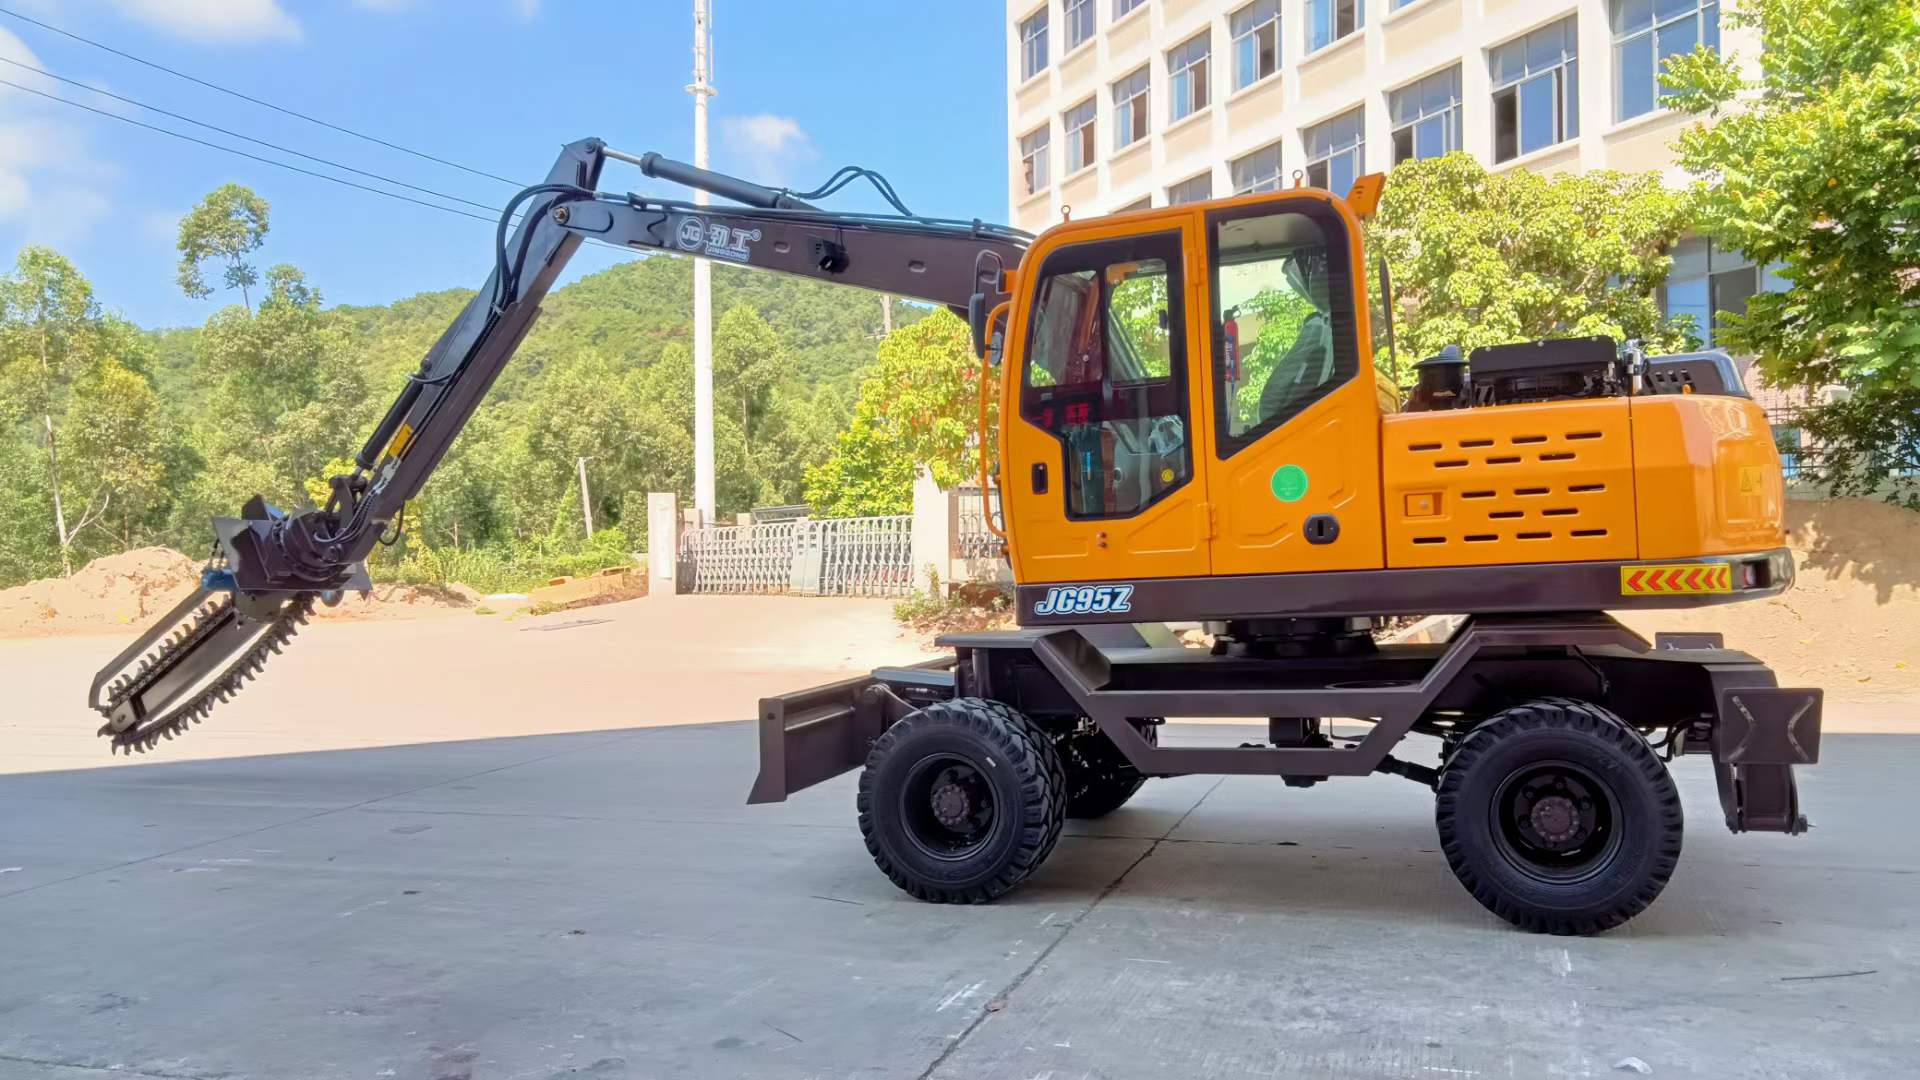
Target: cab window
1105, 374
1282, 319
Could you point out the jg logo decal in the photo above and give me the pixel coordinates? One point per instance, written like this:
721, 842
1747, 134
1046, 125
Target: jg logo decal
715, 241
1085, 600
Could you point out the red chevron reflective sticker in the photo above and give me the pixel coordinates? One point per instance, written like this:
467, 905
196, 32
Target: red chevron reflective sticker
1683, 579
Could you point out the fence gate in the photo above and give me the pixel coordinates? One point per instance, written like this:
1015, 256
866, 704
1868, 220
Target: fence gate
871, 556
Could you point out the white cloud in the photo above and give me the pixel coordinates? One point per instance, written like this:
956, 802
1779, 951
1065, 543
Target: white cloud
386, 5
215, 22
526, 9
43, 154
765, 148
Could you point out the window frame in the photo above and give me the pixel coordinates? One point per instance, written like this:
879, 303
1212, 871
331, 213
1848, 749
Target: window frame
1033, 39
1037, 180
1124, 8
1565, 74
1199, 88
1347, 364
1279, 170
1358, 149
1331, 10
1622, 39
1089, 142
1206, 175
1240, 79
1068, 10
1135, 112
1452, 115
1167, 246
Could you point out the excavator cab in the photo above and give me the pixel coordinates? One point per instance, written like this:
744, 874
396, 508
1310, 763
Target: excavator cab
1188, 393
1193, 428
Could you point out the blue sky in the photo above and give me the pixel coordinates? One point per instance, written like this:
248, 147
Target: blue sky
916, 91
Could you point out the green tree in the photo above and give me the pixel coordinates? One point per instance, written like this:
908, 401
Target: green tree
1817, 167
49, 322
748, 359
287, 395
1483, 258
228, 225
119, 442
920, 406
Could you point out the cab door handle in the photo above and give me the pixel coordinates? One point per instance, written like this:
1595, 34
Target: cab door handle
1039, 478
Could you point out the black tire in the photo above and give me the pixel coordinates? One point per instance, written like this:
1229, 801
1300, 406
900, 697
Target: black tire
961, 800
1559, 818
1099, 778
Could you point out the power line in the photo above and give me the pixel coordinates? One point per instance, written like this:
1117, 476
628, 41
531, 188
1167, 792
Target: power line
254, 100
237, 135
244, 154
493, 221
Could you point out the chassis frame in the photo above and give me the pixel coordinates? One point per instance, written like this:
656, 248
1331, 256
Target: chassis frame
1707, 699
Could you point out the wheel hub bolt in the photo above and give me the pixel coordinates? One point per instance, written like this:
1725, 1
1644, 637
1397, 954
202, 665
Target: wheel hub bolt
1555, 819
951, 807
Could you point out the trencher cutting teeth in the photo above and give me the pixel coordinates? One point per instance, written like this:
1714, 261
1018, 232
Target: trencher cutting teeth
146, 733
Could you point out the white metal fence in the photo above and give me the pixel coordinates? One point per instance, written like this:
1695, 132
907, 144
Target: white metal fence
972, 539
870, 556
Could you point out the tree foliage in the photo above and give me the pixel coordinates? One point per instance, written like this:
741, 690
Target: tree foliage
69, 398
1484, 258
1816, 166
227, 226
920, 406
157, 431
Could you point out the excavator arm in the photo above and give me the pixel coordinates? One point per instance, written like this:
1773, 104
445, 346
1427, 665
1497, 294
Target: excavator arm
269, 567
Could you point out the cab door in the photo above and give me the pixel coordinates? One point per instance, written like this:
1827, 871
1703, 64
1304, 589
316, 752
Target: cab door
1292, 418
1099, 467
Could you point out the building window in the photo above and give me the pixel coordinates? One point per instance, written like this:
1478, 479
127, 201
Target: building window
1258, 171
1330, 20
1645, 34
1033, 161
1130, 110
1256, 42
1187, 70
1144, 202
1536, 91
1121, 7
1396, 5
1080, 22
1033, 45
1335, 150
1198, 189
1708, 281
1426, 116
1078, 124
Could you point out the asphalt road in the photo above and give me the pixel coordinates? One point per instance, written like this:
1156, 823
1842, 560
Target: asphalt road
601, 904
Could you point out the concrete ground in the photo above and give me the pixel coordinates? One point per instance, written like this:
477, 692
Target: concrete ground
660, 660
601, 903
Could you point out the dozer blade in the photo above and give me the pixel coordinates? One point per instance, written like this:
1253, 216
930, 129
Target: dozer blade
197, 655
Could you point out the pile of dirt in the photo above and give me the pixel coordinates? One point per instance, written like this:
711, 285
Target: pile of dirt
115, 591
1851, 622
128, 590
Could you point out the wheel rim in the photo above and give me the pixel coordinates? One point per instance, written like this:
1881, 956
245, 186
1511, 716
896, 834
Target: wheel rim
947, 806
1556, 822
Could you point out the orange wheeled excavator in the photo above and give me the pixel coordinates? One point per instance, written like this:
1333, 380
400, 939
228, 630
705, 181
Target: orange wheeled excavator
1191, 429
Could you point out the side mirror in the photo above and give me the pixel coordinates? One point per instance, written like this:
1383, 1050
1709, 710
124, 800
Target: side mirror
977, 311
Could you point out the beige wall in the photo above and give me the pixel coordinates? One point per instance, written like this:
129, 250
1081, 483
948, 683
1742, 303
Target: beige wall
1393, 49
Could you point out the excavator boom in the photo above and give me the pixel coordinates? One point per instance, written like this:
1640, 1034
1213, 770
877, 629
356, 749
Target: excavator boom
269, 567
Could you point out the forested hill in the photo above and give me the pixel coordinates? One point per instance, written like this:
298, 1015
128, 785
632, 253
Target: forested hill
272, 398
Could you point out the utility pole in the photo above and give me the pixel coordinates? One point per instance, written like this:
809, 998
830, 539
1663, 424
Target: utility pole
586, 500
886, 314
702, 89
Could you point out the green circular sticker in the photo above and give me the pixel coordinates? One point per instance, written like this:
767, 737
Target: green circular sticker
1289, 483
